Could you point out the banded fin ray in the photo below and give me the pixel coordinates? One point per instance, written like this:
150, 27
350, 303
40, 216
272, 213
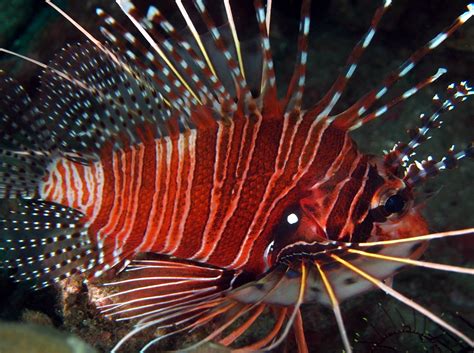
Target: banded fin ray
325, 106
400, 155
217, 65
45, 242
117, 106
354, 117
403, 299
177, 91
296, 86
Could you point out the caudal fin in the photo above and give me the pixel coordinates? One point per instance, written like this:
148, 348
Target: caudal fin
24, 145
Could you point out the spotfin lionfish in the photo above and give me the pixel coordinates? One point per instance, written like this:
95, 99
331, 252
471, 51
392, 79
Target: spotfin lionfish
169, 160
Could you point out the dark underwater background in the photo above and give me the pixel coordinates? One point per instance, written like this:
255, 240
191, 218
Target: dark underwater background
377, 322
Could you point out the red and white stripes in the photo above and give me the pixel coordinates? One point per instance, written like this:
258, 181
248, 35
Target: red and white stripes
75, 185
147, 197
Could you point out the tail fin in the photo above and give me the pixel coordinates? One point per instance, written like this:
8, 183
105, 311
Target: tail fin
24, 146
43, 242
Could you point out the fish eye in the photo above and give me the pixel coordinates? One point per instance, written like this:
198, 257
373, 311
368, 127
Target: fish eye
394, 204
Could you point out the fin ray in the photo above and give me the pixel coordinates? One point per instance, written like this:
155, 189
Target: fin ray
403, 299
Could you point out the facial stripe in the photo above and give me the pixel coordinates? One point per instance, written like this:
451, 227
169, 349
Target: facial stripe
338, 162
343, 199
328, 143
348, 227
333, 181
361, 210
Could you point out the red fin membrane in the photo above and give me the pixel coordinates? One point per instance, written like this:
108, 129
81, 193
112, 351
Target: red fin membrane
43, 242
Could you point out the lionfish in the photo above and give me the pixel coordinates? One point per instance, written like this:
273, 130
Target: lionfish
169, 159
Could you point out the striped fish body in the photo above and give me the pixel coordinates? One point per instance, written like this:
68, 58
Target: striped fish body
213, 194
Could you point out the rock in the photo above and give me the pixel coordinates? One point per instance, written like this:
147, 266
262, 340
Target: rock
30, 338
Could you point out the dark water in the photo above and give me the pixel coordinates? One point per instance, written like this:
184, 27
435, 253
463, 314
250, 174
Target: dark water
31, 28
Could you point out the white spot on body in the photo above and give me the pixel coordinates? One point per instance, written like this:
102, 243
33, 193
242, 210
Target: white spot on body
292, 218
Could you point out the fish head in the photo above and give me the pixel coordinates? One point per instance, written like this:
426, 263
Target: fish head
371, 204
379, 208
